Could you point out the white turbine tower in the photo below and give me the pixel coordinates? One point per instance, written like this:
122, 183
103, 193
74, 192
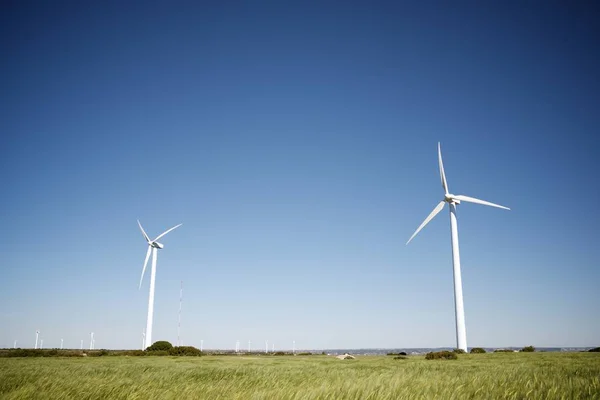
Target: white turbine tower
153, 247
61, 344
91, 340
37, 335
81, 344
453, 201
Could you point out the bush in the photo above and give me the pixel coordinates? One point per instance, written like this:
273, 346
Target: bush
441, 355
161, 345
400, 358
158, 353
528, 349
477, 350
459, 351
279, 353
185, 351
503, 351
305, 354
402, 353
594, 350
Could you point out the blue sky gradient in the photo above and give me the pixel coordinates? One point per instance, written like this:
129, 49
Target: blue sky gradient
296, 142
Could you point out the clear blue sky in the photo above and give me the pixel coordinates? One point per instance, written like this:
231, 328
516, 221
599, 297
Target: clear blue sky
296, 142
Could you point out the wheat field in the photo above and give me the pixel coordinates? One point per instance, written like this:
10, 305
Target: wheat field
472, 376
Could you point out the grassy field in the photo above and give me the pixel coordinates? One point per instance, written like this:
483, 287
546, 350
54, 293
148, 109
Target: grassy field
485, 376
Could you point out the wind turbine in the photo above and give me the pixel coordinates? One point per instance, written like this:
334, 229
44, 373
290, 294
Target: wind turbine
91, 340
153, 247
453, 201
61, 344
37, 334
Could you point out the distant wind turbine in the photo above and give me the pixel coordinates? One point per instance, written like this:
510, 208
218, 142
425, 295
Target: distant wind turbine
37, 334
81, 344
91, 340
453, 201
61, 344
15, 345
153, 247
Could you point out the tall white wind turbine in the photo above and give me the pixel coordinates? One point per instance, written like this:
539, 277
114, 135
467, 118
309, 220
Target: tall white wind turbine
37, 335
153, 247
453, 201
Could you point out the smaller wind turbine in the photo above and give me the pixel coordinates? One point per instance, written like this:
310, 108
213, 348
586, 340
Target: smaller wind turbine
201, 344
15, 345
249, 342
81, 344
37, 334
266, 346
91, 340
454, 200
61, 343
153, 247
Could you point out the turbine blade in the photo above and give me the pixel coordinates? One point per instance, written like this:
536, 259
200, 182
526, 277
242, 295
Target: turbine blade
477, 201
144, 232
435, 212
442, 173
145, 264
165, 232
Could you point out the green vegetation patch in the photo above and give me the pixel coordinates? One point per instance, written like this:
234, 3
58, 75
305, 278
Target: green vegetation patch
530, 376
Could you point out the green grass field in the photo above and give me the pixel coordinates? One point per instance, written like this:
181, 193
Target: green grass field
484, 376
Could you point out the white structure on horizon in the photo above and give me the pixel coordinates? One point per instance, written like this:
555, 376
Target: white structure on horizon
266, 346
37, 335
453, 201
91, 340
201, 344
81, 344
153, 247
61, 344
15, 345
249, 342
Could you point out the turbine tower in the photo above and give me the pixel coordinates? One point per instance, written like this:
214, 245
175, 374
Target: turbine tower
37, 335
453, 201
153, 247
91, 340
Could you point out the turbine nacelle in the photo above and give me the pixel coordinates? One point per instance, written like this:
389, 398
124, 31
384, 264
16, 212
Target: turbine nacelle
450, 199
156, 245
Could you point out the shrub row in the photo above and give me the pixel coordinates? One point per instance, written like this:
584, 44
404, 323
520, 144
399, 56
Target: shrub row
477, 350
441, 355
